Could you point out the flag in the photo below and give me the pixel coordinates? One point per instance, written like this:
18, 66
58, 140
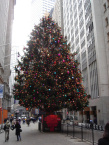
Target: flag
1, 90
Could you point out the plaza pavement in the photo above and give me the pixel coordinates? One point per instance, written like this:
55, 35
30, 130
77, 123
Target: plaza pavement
32, 136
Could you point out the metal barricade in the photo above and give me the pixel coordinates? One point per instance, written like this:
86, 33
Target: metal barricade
85, 132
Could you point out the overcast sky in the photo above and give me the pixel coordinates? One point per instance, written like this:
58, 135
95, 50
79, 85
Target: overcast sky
21, 25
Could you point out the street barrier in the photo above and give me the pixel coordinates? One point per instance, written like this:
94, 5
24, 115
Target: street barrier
87, 132
39, 126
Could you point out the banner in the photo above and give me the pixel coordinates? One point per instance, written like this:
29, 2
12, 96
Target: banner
1, 90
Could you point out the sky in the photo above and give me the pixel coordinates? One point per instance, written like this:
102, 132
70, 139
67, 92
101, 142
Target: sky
22, 23
25, 15
20, 31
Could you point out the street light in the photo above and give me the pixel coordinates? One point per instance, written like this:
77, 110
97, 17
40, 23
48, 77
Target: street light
67, 121
2, 90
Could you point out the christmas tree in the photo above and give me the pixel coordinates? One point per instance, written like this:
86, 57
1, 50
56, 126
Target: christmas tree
48, 77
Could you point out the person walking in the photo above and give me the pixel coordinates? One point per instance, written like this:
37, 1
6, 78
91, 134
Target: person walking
13, 125
28, 121
11, 119
18, 130
105, 139
7, 128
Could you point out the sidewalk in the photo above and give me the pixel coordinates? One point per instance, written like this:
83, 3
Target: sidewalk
32, 136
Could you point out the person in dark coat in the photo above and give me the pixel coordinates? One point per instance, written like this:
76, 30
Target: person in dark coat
105, 139
7, 128
18, 130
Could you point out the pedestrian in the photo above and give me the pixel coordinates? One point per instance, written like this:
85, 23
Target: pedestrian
23, 120
13, 125
18, 130
11, 119
95, 120
28, 121
7, 128
5, 120
105, 139
40, 118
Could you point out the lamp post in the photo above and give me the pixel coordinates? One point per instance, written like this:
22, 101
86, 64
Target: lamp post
2, 109
67, 121
2, 94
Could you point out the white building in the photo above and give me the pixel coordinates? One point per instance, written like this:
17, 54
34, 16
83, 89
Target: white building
39, 8
57, 15
6, 19
100, 14
14, 57
86, 25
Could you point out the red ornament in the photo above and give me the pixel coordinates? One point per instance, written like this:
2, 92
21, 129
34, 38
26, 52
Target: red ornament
54, 62
59, 54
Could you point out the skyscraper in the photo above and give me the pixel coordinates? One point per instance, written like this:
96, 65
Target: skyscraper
6, 19
39, 8
57, 15
86, 26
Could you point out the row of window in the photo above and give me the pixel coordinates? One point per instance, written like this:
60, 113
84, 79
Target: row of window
81, 24
91, 47
85, 77
108, 36
84, 64
94, 79
106, 5
92, 56
107, 21
94, 91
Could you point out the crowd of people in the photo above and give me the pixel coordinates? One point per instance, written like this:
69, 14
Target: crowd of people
15, 124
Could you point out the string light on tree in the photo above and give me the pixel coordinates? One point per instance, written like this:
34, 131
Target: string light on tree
48, 74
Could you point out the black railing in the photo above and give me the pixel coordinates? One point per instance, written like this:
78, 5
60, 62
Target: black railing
87, 132
39, 126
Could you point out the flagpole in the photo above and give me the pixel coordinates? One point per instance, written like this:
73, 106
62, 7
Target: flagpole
2, 110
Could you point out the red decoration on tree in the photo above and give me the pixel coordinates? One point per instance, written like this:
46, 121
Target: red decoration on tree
52, 121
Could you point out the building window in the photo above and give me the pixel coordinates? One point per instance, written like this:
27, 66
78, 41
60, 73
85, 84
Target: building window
104, 7
82, 44
106, 21
77, 41
91, 27
72, 47
108, 2
72, 39
108, 36
82, 33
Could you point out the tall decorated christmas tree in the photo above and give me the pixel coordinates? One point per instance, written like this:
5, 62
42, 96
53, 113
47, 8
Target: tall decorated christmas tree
48, 77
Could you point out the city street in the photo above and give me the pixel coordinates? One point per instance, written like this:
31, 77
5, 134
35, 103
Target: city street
32, 136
